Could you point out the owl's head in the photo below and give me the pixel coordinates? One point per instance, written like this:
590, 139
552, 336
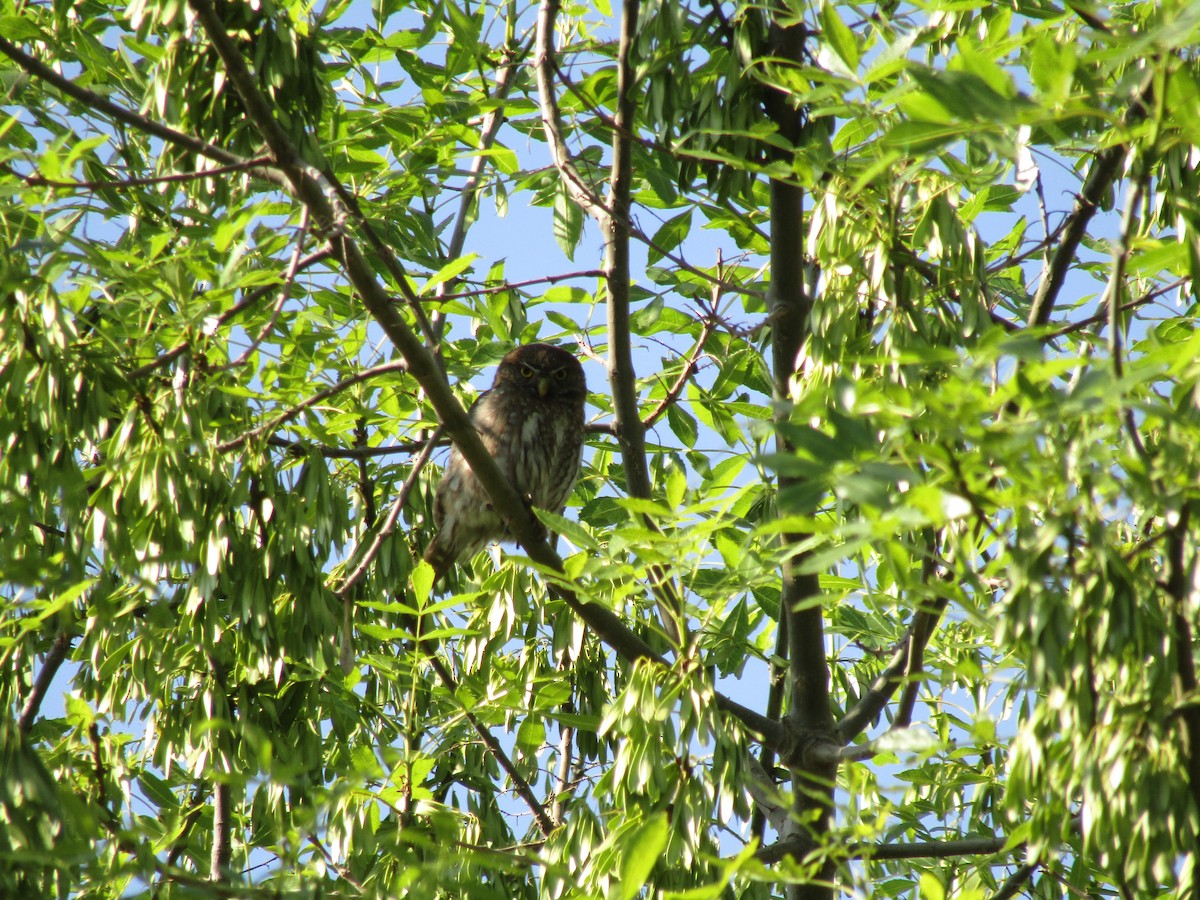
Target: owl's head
549, 372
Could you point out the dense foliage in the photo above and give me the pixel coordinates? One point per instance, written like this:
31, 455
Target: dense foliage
880, 577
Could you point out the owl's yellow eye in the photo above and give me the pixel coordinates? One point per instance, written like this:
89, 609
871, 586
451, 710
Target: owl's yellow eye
526, 372
560, 374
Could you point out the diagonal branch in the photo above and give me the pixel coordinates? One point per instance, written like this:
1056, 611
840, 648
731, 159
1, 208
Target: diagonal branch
349, 381
906, 656
520, 785
91, 99
977, 846
1101, 177
543, 65
55, 657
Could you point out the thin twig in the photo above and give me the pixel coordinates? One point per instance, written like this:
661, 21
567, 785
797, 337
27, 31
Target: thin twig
289, 279
517, 285
520, 785
389, 523
543, 64
40, 181
349, 381
249, 300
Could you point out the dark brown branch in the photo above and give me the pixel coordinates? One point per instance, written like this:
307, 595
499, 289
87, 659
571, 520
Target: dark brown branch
790, 305
520, 785
1180, 587
43, 72
885, 685
1013, 884
1103, 174
918, 640
982, 846
917, 850
915, 664
349, 452
41, 684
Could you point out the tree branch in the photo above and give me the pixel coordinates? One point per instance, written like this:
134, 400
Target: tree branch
349, 381
918, 850
543, 65
349, 452
95, 101
173, 178
520, 785
1015, 882
1103, 173
871, 704
389, 523
41, 684
222, 845
1103, 315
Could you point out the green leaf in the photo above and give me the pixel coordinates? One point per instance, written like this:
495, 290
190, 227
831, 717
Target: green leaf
531, 736
568, 222
448, 272
835, 32
642, 850
669, 236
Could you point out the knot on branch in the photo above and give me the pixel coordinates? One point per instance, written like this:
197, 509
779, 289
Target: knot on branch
812, 752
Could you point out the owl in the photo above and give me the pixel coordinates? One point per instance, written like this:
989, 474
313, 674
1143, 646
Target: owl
531, 421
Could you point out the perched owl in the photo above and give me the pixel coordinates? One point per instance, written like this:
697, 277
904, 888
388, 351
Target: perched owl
531, 421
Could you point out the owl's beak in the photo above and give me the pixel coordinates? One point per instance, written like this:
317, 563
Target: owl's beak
543, 386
